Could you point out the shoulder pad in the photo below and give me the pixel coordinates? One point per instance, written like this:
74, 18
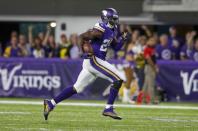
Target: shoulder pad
100, 26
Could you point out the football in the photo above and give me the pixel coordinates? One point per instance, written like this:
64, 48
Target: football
86, 47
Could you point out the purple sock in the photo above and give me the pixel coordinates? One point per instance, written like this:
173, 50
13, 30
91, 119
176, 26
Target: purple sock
66, 93
112, 96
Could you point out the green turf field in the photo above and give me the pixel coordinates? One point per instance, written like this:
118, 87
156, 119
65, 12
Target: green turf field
17, 117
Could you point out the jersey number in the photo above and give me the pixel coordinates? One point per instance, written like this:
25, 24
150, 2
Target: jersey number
105, 45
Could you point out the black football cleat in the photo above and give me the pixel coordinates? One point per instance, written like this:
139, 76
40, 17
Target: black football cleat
110, 113
48, 107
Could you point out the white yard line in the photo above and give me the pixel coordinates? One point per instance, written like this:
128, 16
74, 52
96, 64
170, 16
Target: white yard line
100, 105
29, 129
15, 113
172, 120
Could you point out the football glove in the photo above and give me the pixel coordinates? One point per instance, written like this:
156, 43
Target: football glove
125, 36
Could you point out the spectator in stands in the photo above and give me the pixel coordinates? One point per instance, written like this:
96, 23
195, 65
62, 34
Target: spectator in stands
50, 47
41, 35
156, 36
129, 74
133, 42
188, 46
45, 38
135, 54
138, 51
175, 41
30, 36
147, 31
37, 50
135, 36
194, 52
14, 34
13, 50
74, 52
150, 71
164, 50
24, 46
65, 47
8, 42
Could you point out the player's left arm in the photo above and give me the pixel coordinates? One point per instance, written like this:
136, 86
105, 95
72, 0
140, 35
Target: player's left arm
118, 42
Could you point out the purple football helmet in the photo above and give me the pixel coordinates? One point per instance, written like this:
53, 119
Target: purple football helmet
110, 15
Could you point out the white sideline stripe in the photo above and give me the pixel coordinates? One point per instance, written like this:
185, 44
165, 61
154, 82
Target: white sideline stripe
100, 105
172, 120
11, 112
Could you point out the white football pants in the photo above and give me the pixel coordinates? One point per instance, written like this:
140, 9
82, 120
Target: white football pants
93, 68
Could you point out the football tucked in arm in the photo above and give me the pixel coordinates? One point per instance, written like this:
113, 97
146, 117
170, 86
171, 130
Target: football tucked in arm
86, 37
86, 47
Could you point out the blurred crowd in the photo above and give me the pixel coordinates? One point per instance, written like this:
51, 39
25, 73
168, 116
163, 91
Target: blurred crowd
168, 46
42, 45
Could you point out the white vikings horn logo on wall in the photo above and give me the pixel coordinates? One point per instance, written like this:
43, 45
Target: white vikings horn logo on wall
189, 81
6, 78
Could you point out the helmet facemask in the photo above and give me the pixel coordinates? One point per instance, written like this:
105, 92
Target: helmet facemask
114, 20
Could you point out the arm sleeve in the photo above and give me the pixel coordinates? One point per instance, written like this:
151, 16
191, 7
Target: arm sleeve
117, 44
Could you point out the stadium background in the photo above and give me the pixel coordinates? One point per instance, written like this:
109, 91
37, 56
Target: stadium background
177, 81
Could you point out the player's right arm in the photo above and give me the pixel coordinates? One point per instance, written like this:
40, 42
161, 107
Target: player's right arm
85, 40
95, 33
90, 35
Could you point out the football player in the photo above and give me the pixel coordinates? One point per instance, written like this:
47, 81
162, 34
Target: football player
103, 35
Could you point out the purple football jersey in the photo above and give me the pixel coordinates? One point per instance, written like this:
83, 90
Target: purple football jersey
100, 46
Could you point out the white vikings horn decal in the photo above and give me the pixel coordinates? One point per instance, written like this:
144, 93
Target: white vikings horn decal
188, 81
6, 78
